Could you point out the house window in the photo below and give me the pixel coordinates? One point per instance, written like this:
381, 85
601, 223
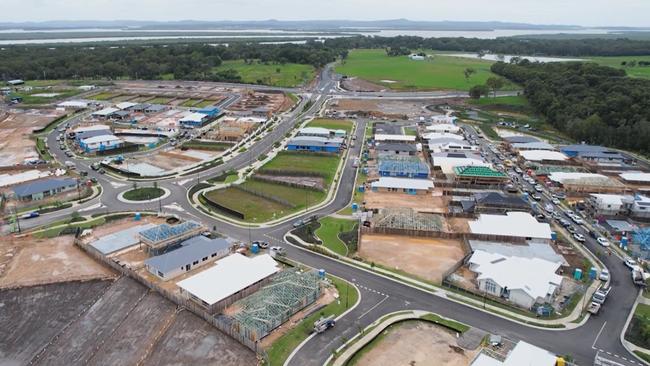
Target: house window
195, 263
204, 259
490, 286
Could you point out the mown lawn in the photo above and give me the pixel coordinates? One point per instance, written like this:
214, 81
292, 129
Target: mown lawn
635, 71
284, 75
401, 73
332, 124
329, 232
104, 96
300, 162
254, 209
298, 197
143, 193
159, 100
283, 346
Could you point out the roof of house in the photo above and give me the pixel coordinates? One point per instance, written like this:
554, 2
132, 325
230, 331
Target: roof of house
583, 148
539, 155
120, 240
402, 183
73, 103
229, 276
447, 161
537, 145
120, 113
535, 276
404, 138
315, 141
602, 155
501, 200
621, 225
578, 178
314, 131
635, 176
409, 166
520, 139
125, 105
443, 127
478, 171
194, 117
105, 111
442, 135
191, 250
612, 199
388, 146
91, 128
446, 140
101, 139
40, 186
530, 250
517, 224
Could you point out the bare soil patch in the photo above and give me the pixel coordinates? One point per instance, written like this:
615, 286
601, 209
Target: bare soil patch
426, 203
427, 258
417, 343
360, 85
41, 261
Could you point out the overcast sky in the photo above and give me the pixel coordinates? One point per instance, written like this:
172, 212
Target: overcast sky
574, 12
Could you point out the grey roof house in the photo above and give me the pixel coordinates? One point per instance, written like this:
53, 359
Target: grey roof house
193, 252
43, 188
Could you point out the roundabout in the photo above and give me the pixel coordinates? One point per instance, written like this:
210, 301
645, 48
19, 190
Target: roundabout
141, 195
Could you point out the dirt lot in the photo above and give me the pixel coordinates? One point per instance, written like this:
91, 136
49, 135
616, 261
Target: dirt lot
421, 203
360, 85
458, 225
30, 317
15, 130
28, 261
427, 258
191, 341
416, 343
389, 108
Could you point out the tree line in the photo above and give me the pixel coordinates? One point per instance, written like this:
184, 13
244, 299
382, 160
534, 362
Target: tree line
591, 103
180, 61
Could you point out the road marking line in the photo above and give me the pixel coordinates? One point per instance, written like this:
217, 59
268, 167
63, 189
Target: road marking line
593, 346
373, 308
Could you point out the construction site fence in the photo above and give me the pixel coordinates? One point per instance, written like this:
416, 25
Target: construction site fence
212, 204
264, 195
440, 234
180, 301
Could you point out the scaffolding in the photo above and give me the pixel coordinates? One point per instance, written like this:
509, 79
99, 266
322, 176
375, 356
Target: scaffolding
408, 219
641, 246
289, 292
162, 236
402, 166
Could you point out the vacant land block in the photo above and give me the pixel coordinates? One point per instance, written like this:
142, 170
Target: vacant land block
304, 163
285, 75
420, 203
31, 317
16, 127
332, 124
254, 208
402, 73
192, 341
426, 258
414, 343
40, 261
296, 197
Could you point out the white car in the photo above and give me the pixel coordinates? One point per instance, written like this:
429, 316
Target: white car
603, 241
556, 201
604, 275
630, 263
577, 220
579, 237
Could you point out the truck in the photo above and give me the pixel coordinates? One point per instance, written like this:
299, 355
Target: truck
639, 276
324, 324
593, 308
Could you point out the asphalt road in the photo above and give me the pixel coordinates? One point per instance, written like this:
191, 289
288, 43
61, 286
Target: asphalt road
379, 295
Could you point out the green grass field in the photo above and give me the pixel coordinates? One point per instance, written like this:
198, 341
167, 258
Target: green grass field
143, 193
442, 72
160, 100
332, 124
205, 103
636, 71
298, 197
283, 346
104, 96
190, 102
287, 75
329, 232
254, 209
300, 162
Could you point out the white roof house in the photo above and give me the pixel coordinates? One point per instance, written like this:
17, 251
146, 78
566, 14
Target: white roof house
314, 131
529, 278
524, 354
73, 104
446, 161
611, 201
102, 139
229, 276
517, 224
402, 183
541, 155
635, 177
104, 112
538, 145
11, 179
568, 177
125, 105
443, 127
441, 135
394, 138
92, 128
194, 117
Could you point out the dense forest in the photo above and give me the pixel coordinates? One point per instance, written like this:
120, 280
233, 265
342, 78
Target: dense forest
589, 102
186, 62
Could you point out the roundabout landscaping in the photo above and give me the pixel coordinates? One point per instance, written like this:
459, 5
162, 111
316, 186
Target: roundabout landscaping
143, 194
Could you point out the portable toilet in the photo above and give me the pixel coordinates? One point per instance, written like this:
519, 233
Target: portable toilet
624, 242
361, 188
355, 207
524, 196
255, 248
138, 216
321, 273
592, 273
553, 236
577, 275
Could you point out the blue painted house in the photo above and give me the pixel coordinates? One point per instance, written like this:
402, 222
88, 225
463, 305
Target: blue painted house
315, 144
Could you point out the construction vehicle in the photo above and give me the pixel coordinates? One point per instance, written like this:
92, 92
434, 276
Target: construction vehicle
593, 308
324, 324
639, 276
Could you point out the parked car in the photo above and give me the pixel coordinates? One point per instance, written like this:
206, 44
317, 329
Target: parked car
298, 223
556, 201
537, 197
603, 241
579, 237
277, 251
30, 215
604, 275
601, 295
101, 171
630, 263
83, 173
261, 244
572, 229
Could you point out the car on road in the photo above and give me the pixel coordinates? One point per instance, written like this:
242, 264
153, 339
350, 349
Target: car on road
261, 244
564, 222
579, 237
577, 220
277, 251
539, 188
69, 154
630, 263
604, 275
555, 215
101, 171
603, 241
298, 223
556, 201
83, 173
537, 197
571, 229
30, 215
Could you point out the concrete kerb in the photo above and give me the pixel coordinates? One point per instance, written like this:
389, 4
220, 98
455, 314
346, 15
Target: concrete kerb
297, 349
121, 198
331, 195
629, 346
441, 292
